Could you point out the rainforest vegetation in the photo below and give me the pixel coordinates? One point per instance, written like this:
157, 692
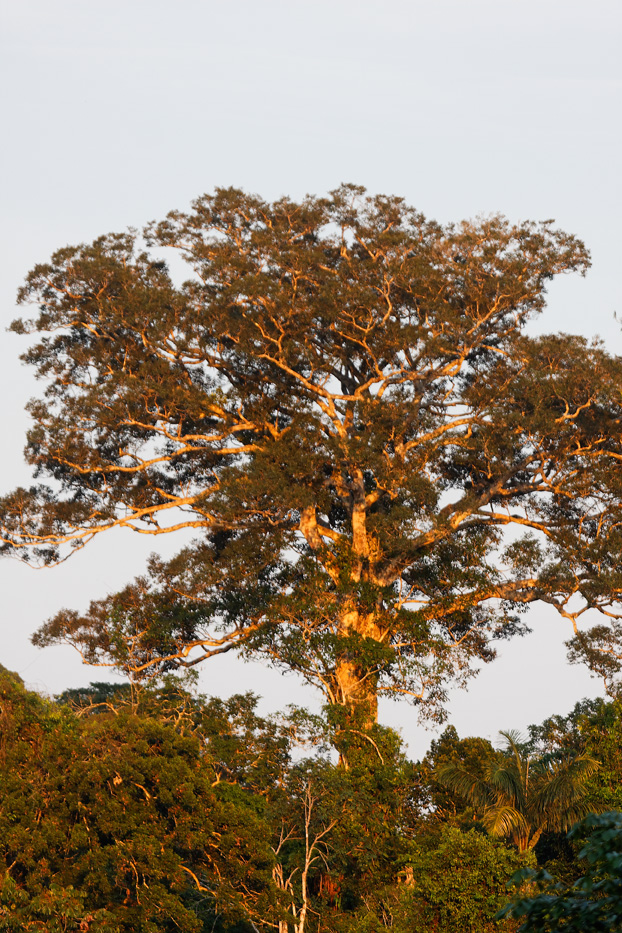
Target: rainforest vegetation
169, 810
376, 469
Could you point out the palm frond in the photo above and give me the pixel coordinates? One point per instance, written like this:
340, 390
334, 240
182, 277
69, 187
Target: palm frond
514, 741
506, 821
562, 821
515, 746
506, 780
557, 801
466, 785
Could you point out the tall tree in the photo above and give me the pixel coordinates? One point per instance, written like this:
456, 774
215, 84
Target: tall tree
343, 403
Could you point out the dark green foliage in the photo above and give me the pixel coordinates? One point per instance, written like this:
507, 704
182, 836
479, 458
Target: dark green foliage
593, 728
520, 797
562, 735
438, 801
343, 403
98, 696
51, 910
601, 733
457, 883
247, 749
121, 818
593, 903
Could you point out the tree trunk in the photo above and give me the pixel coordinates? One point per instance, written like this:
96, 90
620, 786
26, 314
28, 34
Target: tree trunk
357, 692
356, 681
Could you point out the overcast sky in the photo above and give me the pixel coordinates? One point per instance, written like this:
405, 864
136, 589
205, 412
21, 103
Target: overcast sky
116, 112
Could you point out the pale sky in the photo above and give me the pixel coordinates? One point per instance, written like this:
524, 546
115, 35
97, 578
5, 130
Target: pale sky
116, 112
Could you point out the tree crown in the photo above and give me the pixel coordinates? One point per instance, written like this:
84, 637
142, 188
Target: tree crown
344, 404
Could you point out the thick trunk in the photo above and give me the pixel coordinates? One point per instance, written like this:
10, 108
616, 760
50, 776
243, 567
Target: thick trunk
357, 692
356, 679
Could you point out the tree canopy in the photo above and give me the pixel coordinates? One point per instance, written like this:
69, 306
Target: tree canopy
117, 823
169, 810
381, 465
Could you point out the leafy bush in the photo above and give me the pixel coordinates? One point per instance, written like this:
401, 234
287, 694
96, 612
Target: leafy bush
458, 883
593, 903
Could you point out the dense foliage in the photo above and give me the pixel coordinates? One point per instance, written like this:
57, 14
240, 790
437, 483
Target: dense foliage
164, 810
458, 883
119, 815
593, 902
344, 404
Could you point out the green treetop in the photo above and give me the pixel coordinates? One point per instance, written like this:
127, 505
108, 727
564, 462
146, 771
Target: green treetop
117, 823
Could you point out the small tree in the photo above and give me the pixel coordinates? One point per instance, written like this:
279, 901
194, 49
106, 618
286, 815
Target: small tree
344, 406
457, 882
437, 803
519, 798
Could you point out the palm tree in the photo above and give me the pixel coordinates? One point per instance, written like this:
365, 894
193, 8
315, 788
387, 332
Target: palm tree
520, 798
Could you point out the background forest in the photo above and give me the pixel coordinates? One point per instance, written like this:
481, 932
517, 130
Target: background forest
168, 810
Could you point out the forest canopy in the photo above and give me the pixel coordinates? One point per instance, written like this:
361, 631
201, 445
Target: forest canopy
184, 812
